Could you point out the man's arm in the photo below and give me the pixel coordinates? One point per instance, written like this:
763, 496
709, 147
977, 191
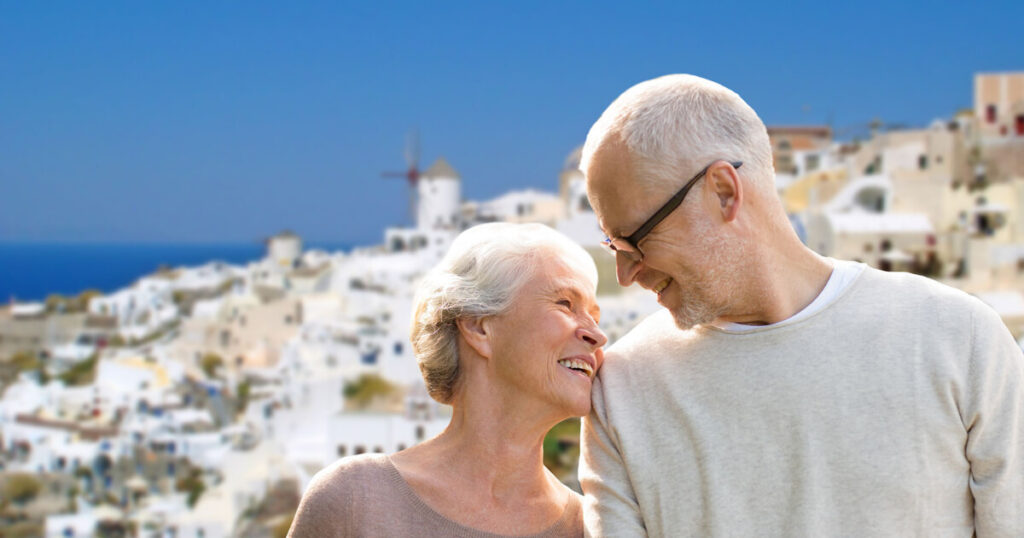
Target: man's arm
609, 507
994, 417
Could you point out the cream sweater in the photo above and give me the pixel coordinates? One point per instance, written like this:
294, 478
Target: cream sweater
898, 410
366, 496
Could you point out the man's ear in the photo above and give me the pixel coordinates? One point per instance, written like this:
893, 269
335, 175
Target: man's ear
475, 332
725, 182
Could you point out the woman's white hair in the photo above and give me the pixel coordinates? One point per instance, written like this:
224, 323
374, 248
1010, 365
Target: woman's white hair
676, 124
481, 275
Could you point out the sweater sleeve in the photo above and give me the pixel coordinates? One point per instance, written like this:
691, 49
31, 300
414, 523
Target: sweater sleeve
609, 507
994, 418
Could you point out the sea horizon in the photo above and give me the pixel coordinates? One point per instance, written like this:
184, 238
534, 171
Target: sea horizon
32, 270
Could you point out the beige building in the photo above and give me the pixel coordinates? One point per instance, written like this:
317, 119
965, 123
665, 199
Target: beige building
999, 103
789, 142
243, 331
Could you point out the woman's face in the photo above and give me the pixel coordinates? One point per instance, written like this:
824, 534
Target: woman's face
547, 347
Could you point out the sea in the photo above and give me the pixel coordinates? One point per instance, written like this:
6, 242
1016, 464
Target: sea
31, 271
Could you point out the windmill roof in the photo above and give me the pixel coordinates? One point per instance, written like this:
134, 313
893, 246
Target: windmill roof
441, 168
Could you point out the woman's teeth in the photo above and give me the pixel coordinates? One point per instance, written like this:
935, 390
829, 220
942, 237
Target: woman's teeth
577, 365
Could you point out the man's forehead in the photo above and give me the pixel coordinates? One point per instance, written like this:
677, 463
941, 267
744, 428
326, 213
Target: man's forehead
620, 202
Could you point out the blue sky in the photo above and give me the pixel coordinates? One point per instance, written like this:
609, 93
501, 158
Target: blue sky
200, 122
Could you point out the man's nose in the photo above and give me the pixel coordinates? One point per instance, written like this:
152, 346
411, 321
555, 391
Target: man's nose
626, 269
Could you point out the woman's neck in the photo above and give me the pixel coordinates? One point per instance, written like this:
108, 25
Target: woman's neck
498, 452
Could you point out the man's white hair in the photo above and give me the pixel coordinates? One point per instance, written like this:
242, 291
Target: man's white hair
677, 124
481, 275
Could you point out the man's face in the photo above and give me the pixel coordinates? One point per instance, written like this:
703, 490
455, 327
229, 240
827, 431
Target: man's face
683, 262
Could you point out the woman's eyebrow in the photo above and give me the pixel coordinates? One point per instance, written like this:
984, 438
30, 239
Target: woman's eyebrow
574, 290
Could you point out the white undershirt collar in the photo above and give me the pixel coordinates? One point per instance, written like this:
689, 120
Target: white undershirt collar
843, 274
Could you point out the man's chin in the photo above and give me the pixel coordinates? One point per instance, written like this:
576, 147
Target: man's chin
688, 318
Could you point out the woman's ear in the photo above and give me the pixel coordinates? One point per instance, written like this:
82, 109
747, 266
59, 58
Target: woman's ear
475, 332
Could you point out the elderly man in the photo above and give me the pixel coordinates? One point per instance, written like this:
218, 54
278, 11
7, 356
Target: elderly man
779, 393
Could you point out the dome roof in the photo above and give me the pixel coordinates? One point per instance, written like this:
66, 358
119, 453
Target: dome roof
440, 169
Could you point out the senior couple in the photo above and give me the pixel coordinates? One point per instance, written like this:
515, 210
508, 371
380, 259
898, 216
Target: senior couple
778, 393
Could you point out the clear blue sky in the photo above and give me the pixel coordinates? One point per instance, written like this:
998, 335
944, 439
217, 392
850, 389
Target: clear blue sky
229, 121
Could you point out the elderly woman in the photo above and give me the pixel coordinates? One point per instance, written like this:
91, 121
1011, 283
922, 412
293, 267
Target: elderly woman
505, 332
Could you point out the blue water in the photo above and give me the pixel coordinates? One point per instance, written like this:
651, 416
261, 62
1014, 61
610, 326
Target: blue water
31, 271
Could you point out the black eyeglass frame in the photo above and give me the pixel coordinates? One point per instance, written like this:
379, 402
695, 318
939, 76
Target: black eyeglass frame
633, 240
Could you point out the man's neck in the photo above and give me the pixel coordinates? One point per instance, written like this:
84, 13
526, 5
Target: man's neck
783, 283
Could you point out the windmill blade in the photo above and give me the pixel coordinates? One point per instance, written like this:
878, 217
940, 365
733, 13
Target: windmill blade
412, 149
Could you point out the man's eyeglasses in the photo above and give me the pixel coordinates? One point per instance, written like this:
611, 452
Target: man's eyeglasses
630, 246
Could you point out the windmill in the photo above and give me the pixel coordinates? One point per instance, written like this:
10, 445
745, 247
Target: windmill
412, 173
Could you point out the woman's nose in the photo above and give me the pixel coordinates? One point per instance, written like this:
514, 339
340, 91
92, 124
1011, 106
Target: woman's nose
593, 335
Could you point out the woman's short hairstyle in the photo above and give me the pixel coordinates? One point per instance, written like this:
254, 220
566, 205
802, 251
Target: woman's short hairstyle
676, 124
481, 275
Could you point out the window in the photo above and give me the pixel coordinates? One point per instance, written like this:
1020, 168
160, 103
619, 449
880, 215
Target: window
360, 449
585, 204
922, 162
813, 161
398, 348
420, 433
1019, 122
342, 451
990, 113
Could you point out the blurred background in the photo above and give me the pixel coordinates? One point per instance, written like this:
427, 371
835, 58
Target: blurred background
212, 217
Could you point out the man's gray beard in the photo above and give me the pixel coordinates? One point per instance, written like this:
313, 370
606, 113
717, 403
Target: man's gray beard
702, 305
689, 315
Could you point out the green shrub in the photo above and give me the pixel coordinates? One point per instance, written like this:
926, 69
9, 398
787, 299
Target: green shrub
21, 488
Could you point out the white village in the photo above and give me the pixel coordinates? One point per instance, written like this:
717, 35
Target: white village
200, 401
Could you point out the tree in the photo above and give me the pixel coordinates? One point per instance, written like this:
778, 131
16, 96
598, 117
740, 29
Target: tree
25, 361
55, 302
210, 363
21, 488
82, 372
194, 485
366, 388
562, 447
242, 393
282, 528
81, 302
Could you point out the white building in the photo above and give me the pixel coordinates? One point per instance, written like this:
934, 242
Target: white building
440, 196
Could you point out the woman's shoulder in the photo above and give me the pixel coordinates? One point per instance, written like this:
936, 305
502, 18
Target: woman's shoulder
339, 493
355, 468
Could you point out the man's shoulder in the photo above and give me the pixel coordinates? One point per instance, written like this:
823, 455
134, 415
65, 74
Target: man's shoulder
907, 290
654, 337
655, 329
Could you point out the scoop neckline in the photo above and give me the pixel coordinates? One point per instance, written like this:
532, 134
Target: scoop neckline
412, 496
